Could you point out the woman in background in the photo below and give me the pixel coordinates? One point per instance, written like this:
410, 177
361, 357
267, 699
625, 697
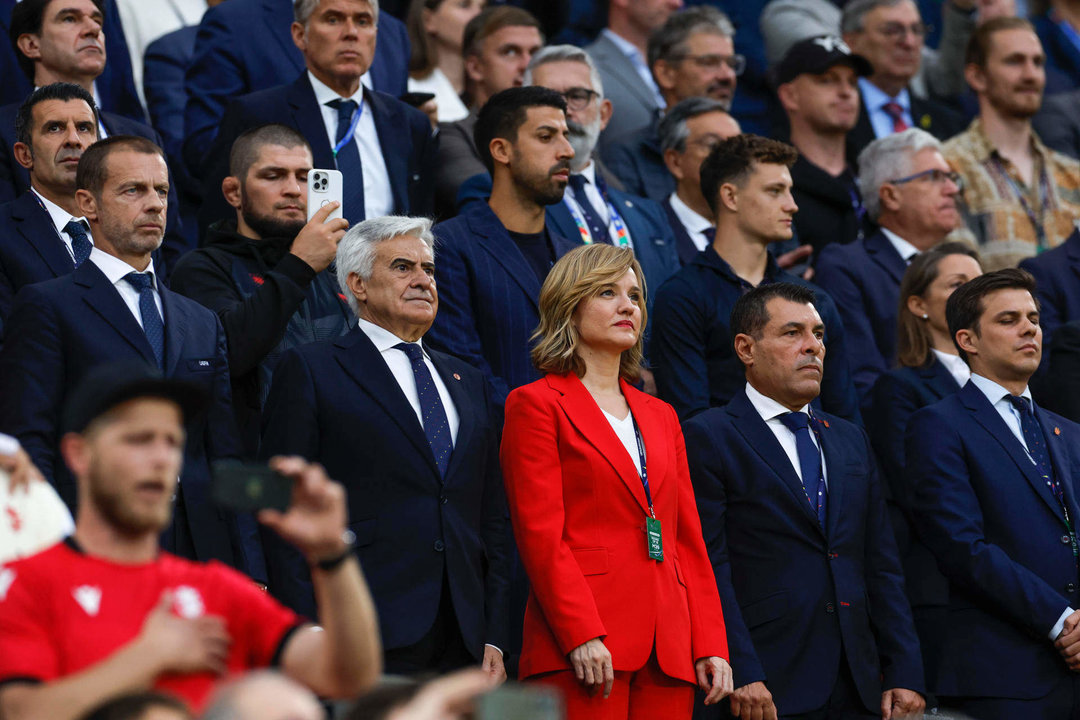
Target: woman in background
436, 32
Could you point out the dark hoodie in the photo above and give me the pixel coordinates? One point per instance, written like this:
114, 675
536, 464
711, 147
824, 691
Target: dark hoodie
268, 300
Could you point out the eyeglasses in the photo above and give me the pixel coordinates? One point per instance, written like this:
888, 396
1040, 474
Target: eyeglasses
714, 61
937, 177
579, 98
896, 31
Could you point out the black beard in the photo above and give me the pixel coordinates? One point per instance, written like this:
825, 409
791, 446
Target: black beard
269, 227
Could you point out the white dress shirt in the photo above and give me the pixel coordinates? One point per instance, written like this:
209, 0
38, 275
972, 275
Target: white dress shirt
903, 248
875, 99
60, 218
624, 430
998, 397
770, 411
115, 269
632, 54
401, 368
592, 194
378, 197
694, 223
955, 365
451, 109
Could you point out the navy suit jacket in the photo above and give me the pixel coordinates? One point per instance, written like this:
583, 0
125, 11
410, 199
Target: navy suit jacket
685, 247
165, 62
863, 277
797, 596
654, 242
691, 348
61, 329
15, 179
939, 120
638, 162
1057, 273
405, 137
338, 404
488, 298
244, 46
1000, 538
897, 395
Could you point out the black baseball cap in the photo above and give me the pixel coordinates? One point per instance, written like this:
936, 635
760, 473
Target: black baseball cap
113, 384
816, 55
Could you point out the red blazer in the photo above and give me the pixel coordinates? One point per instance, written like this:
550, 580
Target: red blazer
578, 510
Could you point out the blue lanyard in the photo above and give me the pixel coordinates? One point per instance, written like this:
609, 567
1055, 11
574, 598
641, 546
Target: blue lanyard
1044, 199
644, 471
352, 129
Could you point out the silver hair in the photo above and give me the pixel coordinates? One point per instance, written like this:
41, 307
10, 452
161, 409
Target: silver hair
302, 9
356, 251
668, 42
854, 12
673, 130
889, 158
565, 53
226, 701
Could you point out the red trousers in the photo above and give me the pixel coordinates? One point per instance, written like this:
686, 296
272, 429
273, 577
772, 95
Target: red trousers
645, 694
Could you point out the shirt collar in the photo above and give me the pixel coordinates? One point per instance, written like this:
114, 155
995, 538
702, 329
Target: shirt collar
382, 338
766, 407
985, 149
115, 269
626, 47
590, 174
875, 97
994, 392
690, 218
323, 93
59, 216
905, 249
954, 364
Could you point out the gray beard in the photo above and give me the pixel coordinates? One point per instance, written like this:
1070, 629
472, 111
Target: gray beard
583, 139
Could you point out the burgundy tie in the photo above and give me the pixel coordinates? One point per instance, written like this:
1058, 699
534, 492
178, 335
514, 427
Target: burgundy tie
896, 112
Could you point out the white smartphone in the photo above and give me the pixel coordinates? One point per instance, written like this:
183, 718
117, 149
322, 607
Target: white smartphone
324, 186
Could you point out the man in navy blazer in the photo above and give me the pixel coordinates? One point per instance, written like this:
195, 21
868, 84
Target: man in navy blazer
413, 435
494, 256
796, 527
387, 161
748, 184
1057, 278
244, 46
910, 192
992, 488
107, 310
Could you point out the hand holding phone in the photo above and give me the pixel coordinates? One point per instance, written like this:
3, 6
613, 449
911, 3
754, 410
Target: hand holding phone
324, 187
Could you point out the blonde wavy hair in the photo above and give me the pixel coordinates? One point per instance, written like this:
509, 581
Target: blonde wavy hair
579, 275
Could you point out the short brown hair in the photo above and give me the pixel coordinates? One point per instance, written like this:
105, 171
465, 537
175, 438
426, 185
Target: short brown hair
734, 158
491, 20
93, 169
965, 306
978, 47
913, 339
579, 275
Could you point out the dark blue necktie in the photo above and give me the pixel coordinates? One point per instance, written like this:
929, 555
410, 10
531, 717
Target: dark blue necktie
710, 234
80, 241
436, 427
1036, 445
809, 462
348, 162
151, 319
597, 227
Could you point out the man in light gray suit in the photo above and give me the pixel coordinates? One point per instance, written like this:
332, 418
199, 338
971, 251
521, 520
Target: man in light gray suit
620, 56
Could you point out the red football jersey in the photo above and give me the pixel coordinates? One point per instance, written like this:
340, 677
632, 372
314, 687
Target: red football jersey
62, 611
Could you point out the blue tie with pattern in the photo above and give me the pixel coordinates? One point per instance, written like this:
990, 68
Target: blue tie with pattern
809, 462
151, 319
436, 426
80, 241
597, 228
1036, 445
348, 162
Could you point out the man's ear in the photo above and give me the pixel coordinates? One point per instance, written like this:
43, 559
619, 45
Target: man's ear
29, 45
744, 349
966, 341
788, 97
87, 204
728, 196
664, 74
673, 161
299, 36
357, 287
501, 150
975, 77
890, 197
23, 155
230, 188
606, 110
474, 68
74, 450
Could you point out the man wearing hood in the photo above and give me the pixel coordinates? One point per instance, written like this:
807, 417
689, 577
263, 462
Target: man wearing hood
264, 273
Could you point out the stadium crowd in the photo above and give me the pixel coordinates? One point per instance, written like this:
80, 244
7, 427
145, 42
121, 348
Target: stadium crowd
717, 361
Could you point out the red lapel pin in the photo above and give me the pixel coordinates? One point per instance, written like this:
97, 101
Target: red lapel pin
825, 423
456, 376
1057, 431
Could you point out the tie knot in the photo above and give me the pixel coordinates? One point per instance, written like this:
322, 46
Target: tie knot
795, 421
345, 109
75, 228
710, 234
893, 110
413, 350
1021, 403
577, 183
139, 281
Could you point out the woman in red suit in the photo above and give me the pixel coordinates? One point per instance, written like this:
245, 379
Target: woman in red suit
623, 613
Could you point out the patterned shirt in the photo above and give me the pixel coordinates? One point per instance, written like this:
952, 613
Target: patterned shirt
1010, 219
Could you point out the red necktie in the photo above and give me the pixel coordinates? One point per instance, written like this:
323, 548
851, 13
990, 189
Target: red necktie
896, 112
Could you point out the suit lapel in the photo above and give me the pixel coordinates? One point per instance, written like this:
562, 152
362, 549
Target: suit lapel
1062, 469
463, 403
105, 300
987, 416
559, 220
176, 321
490, 234
279, 23
653, 435
684, 246
938, 379
861, 135
308, 118
621, 67
36, 228
758, 436
835, 480
389, 124
593, 425
884, 254
360, 359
